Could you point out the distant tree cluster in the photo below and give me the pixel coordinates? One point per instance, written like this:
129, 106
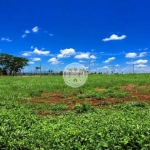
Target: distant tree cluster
11, 65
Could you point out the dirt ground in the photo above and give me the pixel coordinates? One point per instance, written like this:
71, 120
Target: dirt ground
138, 93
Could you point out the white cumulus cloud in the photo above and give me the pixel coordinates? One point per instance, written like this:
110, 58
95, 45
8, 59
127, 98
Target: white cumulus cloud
32, 47
26, 54
131, 55
85, 56
141, 66
36, 59
114, 37
140, 61
35, 29
142, 54
53, 61
82, 56
24, 35
40, 52
81, 61
105, 67
66, 53
30, 62
93, 57
109, 60
134, 55
145, 49
69, 51
60, 56
6, 39
117, 65
27, 31
36, 52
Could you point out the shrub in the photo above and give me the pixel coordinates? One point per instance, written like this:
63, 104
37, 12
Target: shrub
81, 108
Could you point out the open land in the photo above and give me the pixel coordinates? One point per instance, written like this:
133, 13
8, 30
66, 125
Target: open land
108, 112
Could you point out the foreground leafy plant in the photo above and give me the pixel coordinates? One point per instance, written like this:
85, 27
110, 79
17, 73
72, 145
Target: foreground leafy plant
81, 108
125, 126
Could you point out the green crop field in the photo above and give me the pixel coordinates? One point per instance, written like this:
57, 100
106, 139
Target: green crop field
107, 112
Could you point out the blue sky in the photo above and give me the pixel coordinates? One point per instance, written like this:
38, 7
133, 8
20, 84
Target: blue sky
110, 33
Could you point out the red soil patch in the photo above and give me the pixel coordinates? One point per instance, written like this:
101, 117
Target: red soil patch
58, 97
137, 92
48, 97
51, 100
128, 87
71, 100
44, 94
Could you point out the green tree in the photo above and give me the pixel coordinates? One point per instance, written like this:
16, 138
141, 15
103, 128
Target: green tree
10, 64
17, 64
60, 72
37, 68
5, 62
51, 71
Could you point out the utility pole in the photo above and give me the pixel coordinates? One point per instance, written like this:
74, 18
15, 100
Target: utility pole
89, 66
113, 70
133, 68
40, 68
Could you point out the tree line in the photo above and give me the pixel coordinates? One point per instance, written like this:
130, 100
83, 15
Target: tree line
11, 65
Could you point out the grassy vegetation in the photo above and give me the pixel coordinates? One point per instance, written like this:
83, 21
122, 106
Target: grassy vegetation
26, 125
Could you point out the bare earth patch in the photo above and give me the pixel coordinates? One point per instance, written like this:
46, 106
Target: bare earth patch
138, 92
71, 100
128, 87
